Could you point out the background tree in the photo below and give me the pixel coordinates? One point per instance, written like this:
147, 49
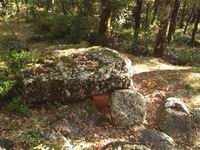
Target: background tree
189, 19
192, 41
183, 13
147, 16
164, 20
137, 15
156, 3
174, 14
105, 22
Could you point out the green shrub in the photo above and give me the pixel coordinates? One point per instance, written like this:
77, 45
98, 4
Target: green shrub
12, 65
31, 137
6, 86
51, 27
60, 26
82, 28
72, 29
190, 56
180, 38
18, 105
10, 42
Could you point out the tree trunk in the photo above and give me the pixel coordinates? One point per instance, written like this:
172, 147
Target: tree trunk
192, 41
193, 16
183, 13
164, 19
48, 5
63, 7
156, 3
172, 27
147, 17
105, 22
188, 19
138, 12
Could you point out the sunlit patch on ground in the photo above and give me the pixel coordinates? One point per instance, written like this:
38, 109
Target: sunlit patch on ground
147, 64
146, 68
194, 102
193, 80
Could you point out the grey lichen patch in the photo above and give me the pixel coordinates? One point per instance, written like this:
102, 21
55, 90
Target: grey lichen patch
83, 72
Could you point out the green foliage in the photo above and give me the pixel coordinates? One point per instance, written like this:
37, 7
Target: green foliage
6, 86
10, 42
33, 140
190, 56
19, 106
180, 38
30, 137
52, 26
13, 64
73, 29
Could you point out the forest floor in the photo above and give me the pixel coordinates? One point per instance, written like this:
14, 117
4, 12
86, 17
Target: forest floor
154, 78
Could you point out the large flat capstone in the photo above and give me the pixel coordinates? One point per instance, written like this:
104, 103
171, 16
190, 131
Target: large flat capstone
74, 74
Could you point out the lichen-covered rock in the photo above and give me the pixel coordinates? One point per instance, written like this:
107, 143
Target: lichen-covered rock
158, 140
177, 104
175, 117
196, 115
128, 107
73, 74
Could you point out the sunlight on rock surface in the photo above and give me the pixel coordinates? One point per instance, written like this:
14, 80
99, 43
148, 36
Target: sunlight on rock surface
82, 72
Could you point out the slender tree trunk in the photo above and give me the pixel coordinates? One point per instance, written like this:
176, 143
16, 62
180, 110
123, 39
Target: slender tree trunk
188, 19
156, 3
105, 22
194, 16
138, 12
172, 27
48, 5
192, 41
164, 20
63, 7
147, 17
183, 13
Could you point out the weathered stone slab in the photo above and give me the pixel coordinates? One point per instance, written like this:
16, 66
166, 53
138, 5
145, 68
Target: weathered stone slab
73, 74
